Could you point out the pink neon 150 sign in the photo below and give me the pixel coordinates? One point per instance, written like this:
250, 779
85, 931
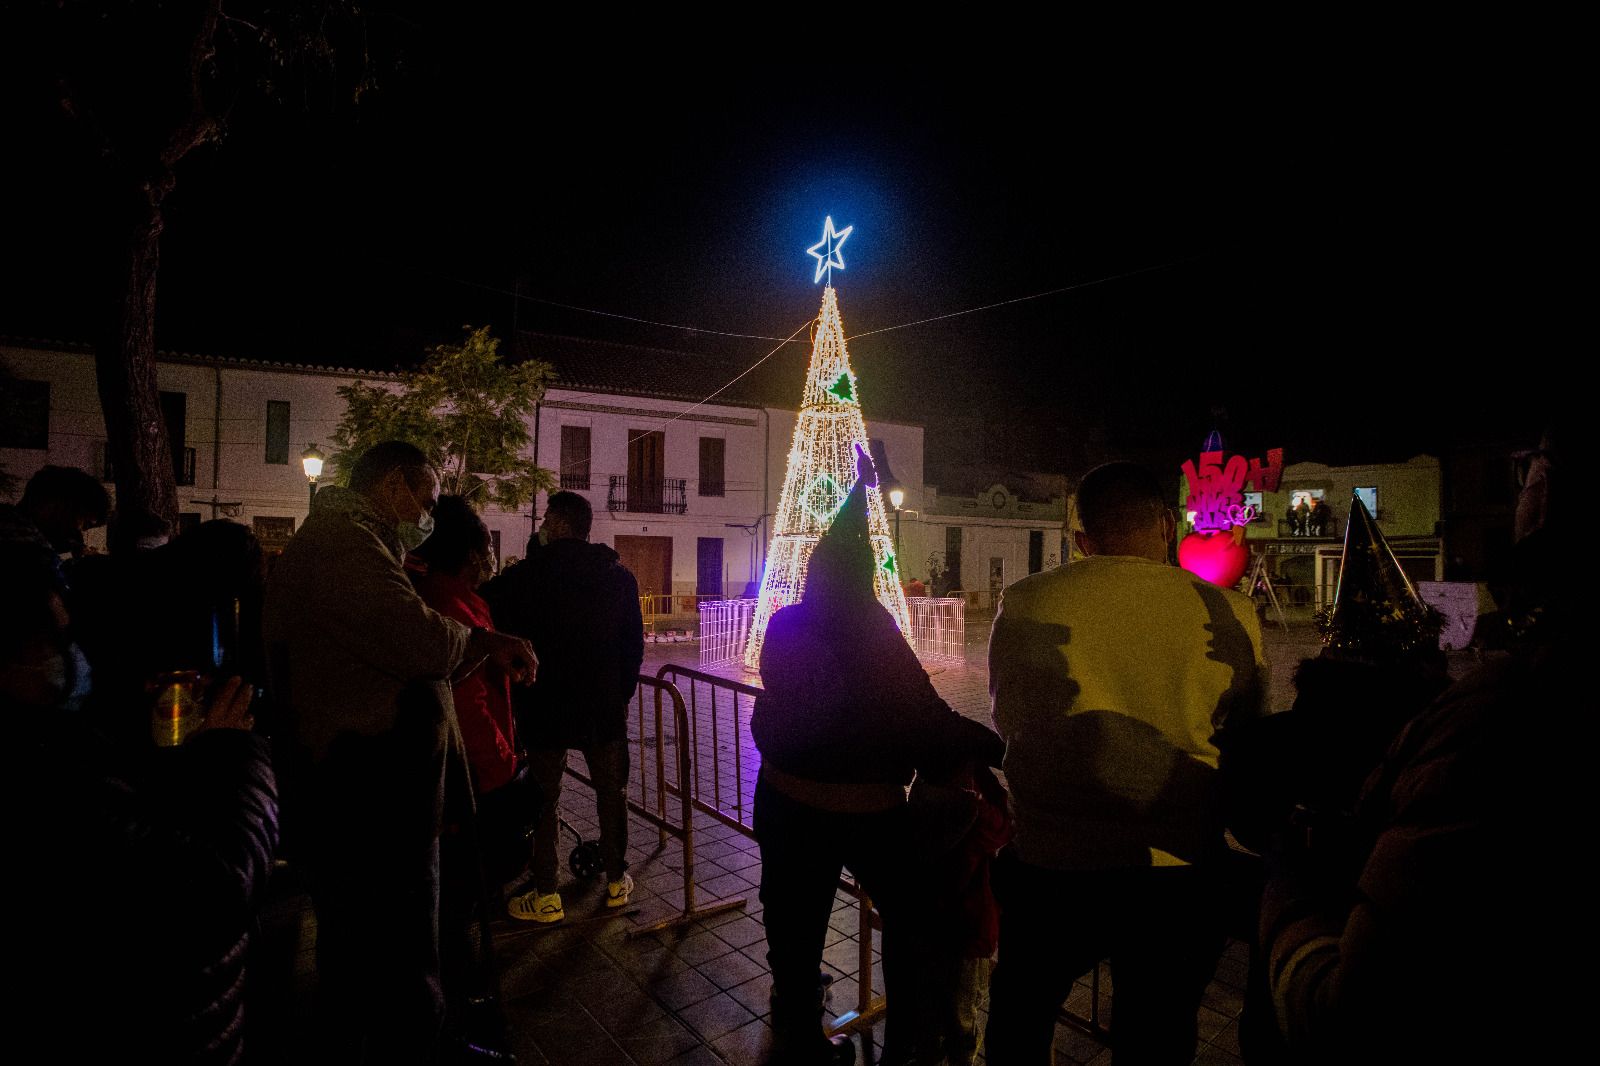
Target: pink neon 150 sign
1216, 489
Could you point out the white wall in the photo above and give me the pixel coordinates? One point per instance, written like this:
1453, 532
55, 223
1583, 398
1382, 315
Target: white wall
612, 420
757, 446
235, 434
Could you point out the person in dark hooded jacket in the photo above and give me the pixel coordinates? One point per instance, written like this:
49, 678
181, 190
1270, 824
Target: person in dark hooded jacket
847, 715
579, 607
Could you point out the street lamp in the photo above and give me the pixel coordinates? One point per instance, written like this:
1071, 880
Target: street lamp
897, 496
311, 460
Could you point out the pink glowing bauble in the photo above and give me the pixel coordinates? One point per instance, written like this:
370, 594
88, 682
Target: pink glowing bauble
1220, 558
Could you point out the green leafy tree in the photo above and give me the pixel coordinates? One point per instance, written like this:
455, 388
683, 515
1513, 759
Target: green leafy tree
467, 409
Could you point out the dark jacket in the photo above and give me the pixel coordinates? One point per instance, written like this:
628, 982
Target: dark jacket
579, 607
139, 888
1468, 876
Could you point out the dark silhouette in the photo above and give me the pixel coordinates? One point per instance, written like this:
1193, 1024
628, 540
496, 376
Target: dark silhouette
846, 716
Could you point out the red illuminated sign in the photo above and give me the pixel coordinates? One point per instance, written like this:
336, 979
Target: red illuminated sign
1216, 489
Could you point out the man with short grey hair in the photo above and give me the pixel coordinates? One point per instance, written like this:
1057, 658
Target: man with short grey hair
360, 668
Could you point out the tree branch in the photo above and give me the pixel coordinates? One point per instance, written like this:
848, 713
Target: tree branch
200, 125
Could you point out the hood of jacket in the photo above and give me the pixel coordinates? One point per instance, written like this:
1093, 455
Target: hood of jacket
336, 501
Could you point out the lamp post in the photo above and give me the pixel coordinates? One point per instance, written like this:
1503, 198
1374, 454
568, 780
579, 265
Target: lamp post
897, 496
311, 461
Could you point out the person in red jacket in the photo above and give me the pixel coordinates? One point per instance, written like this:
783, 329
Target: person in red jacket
447, 570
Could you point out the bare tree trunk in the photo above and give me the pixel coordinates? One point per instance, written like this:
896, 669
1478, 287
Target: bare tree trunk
125, 370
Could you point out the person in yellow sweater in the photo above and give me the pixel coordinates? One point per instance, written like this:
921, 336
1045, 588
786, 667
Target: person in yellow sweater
1110, 679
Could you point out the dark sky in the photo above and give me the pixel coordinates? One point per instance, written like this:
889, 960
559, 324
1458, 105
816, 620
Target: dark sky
1357, 266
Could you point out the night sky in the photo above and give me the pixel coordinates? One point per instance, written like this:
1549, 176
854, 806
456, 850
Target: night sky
1351, 267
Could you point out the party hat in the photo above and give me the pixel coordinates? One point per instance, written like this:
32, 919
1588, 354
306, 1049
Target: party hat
1376, 613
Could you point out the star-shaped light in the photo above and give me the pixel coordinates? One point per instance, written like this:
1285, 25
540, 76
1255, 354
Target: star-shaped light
826, 251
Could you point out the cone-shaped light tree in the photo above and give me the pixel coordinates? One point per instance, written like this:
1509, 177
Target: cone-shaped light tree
822, 471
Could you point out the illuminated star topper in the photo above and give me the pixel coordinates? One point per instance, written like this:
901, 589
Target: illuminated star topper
826, 251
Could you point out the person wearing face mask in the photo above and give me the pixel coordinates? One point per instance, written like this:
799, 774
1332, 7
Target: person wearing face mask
482, 853
154, 873
360, 669
449, 567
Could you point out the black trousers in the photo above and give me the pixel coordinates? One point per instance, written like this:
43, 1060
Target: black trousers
803, 851
1161, 927
370, 849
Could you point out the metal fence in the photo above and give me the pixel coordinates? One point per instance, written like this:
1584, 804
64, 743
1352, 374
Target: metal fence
723, 783
724, 630
660, 776
938, 627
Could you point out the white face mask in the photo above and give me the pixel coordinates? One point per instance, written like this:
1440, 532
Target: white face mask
412, 534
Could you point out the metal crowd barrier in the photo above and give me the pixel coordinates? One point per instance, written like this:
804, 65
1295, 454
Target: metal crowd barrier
724, 629
1089, 1024
939, 627
666, 784
653, 606
734, 804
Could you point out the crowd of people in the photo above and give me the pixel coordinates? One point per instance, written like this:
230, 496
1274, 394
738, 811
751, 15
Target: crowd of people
391, 712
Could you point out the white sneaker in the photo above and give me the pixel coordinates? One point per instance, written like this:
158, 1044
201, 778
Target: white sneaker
533, 907
617, 892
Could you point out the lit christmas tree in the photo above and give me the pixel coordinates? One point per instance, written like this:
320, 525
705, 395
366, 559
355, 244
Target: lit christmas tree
822, 469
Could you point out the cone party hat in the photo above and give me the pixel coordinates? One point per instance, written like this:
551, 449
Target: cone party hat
1376, 613
820, 475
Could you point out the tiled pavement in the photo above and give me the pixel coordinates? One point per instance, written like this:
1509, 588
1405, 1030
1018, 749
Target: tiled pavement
586, 992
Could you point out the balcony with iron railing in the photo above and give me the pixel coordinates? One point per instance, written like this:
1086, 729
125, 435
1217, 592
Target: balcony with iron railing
648, 495
575, 482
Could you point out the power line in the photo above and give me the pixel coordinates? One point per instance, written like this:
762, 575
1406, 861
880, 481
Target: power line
519, 295
1024, 299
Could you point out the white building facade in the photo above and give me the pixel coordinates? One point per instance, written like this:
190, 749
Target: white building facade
683, 491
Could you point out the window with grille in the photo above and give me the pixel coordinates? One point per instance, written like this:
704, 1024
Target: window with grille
575, 457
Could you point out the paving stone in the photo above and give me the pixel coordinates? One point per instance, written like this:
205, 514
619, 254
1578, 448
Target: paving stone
755, 995
682, 989
727, 886
742, 931
715, 1016
657, 1042
731, 969
748, 1045
698, 947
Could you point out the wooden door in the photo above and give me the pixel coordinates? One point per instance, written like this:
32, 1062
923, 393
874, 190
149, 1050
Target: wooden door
649, 559
647, 469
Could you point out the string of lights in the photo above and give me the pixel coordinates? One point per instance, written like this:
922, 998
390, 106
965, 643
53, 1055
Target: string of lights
818, 477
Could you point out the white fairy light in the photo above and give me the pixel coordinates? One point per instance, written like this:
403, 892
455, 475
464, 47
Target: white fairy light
821, 473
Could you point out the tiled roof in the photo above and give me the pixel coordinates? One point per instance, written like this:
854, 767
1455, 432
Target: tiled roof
633, 370
43, 344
